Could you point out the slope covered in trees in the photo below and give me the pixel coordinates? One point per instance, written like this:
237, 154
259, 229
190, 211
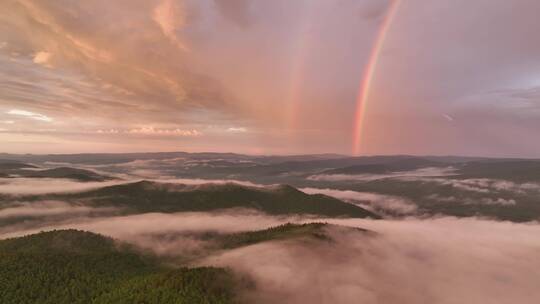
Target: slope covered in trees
71, 266
147, 196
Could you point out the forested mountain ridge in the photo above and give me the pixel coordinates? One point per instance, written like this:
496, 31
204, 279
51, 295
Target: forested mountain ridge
73, 266
147, 196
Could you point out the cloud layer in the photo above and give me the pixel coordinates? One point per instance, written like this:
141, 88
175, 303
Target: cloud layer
435, 261
385, 204
443, 260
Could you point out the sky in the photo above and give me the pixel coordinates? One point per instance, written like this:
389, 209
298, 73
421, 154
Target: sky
271, 77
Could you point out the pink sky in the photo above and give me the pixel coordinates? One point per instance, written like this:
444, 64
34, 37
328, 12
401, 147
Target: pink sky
269, 77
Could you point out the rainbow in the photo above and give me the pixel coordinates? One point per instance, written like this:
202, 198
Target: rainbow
368, 75
300, 57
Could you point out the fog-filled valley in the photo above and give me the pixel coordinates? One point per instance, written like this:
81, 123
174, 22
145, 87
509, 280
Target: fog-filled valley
268, 229
269, 151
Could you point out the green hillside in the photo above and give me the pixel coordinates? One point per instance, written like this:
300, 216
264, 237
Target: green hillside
18, 169
6, 164
148, 196
282, 232
66, 172
71, 266
206, 285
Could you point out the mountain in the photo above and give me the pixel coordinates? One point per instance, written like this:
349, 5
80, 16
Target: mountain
506, 189
405, 164
6, 164
10, 168
65, 172
70, 266
287, 231
514, 170
147, 196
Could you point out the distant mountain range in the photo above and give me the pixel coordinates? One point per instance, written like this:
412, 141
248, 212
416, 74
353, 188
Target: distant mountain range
506, 189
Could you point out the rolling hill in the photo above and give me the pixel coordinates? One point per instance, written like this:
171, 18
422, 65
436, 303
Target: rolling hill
70, 266
65, 172
10, 168
147, 196
6, 164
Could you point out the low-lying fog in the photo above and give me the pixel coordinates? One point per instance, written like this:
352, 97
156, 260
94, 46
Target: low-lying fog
444, 260
440, 260
372, 201
415, 261
25, 186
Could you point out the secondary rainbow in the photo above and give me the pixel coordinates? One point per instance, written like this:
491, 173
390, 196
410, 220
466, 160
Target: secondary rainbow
368, 75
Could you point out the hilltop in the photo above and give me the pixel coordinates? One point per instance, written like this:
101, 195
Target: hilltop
147, 196
73, 266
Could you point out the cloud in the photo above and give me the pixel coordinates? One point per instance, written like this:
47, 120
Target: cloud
201, 181
482, 185
373, 9
237, 70
31, 115
246, 57
154, 131
23, 186
237, 130
103, 67
170, 18
149, 130
132, 226
44, 209
392, 205
499, 201
422, 172
236, 11
448, 117
43, 58
453, 261
474, 201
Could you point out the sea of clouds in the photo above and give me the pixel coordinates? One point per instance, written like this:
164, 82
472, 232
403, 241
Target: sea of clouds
443, 260
438, 260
